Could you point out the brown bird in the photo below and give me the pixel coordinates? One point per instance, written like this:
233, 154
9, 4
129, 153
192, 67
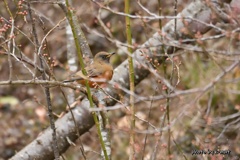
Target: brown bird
98, 72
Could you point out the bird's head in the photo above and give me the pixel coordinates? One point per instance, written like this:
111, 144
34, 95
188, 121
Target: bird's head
103, 56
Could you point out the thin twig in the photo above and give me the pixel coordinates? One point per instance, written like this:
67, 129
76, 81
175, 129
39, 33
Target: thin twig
47, 92
11, 37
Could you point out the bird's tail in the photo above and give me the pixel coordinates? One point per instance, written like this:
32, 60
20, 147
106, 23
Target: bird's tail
66, 81
72, 80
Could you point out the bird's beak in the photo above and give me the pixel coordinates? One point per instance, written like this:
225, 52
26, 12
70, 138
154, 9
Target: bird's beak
111, 54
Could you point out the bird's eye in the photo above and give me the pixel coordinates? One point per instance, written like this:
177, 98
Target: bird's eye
104, 57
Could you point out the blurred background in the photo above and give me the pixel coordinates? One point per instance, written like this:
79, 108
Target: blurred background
201, 120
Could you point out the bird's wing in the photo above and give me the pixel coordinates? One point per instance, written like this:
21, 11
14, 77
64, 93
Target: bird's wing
76, 76
93, 71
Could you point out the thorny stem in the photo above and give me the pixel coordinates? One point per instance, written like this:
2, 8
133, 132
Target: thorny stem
71, 18
131, 80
